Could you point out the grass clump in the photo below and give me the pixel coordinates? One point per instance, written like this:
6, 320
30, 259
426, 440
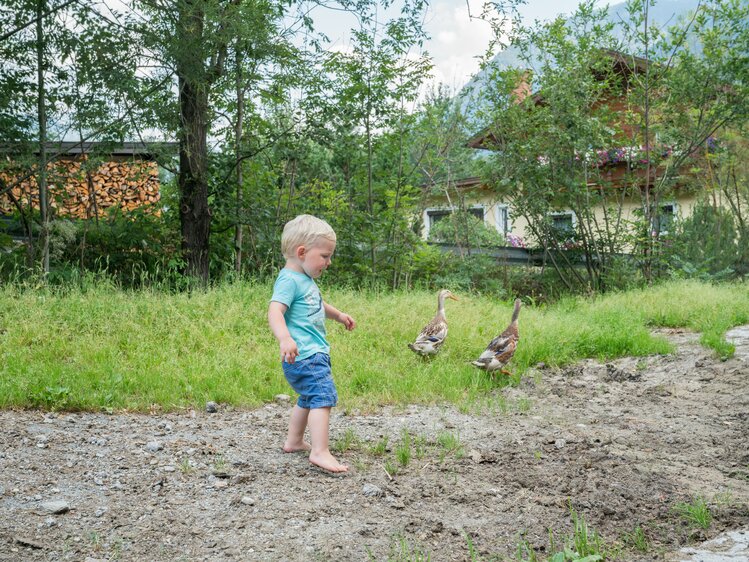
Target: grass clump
405, 552
450, 444
696, 513
347, 442
380, 447
583, 545
403, 449
185, 466
391, 468
637, 540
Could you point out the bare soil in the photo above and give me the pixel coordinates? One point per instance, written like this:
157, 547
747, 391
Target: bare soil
621, 443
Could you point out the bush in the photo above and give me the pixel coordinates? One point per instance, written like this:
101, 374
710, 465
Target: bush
704, 245
464, 229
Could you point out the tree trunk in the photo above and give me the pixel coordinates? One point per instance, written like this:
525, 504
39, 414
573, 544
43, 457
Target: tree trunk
42, 117
238, 135
195, 216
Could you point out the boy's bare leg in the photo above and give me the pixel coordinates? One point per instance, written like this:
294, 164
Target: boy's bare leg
295, 438
319, 420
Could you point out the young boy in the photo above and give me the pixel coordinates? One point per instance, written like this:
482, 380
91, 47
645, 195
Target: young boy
297, 318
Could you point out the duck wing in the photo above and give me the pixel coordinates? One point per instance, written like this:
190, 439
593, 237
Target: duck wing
501, 348
431, 337
435, 331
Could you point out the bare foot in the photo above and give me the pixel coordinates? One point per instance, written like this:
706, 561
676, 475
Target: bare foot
328, 462
296, 447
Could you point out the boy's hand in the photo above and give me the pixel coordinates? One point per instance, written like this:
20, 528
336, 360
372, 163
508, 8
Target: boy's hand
289, 350
347, 321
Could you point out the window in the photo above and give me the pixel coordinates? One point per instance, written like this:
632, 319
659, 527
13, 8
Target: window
502, 219
563, 223
665, 218
433, 216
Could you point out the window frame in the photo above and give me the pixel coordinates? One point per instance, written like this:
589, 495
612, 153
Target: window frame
566, 213
673, 216
448, 211
506, 223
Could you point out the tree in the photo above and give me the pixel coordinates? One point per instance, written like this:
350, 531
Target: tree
196, 40
672, 96
442, 157
66, 70
373, 83
544, 144
695, 84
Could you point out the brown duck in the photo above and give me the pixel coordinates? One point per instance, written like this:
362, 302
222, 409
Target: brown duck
431, 338
501, 349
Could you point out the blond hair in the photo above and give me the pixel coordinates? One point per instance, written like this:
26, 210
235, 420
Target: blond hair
304, 230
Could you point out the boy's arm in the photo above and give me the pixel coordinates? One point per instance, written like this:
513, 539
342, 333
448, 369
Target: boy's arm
334, 314
289, 350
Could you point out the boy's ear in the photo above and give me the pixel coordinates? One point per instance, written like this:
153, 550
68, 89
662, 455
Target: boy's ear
301, 251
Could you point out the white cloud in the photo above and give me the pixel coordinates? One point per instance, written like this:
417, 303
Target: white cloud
457, 40
446, 37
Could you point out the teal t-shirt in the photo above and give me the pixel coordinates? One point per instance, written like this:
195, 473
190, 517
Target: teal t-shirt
305, 315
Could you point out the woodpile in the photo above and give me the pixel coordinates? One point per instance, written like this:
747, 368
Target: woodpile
78, 190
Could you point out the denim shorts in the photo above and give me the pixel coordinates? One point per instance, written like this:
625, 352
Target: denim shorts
312, 379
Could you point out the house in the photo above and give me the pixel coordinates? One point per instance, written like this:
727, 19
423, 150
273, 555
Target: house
618, 169
85, 180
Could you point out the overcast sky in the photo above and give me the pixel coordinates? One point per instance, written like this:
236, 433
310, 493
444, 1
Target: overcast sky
456, 40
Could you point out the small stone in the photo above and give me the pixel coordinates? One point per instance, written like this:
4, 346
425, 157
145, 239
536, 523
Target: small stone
370, 490
24, 541
50, 521
282, 398
153, 446
99, 512
168, 468
560, 443
242, 479
56, 506
247, 500
211, 407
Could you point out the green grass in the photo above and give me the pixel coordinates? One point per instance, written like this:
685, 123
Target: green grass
103, 348
696, 513
348, 441
403, 449
449, 444
583, 545
637, 540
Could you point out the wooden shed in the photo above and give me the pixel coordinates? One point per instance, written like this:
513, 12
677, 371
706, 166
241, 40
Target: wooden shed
87, 179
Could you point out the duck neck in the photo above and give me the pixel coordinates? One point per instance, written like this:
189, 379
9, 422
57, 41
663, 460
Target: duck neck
441, 305
516, 313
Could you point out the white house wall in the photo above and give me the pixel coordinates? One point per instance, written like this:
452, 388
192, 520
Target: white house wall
518, 225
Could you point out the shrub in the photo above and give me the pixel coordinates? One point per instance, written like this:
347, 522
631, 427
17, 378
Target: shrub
464, 229
704, 245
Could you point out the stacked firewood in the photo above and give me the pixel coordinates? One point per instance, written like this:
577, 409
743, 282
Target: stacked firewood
78, 191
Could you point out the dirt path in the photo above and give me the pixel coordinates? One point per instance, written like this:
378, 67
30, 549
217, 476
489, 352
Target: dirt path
622, 443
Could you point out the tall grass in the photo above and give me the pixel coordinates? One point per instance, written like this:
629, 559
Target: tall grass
106, 348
